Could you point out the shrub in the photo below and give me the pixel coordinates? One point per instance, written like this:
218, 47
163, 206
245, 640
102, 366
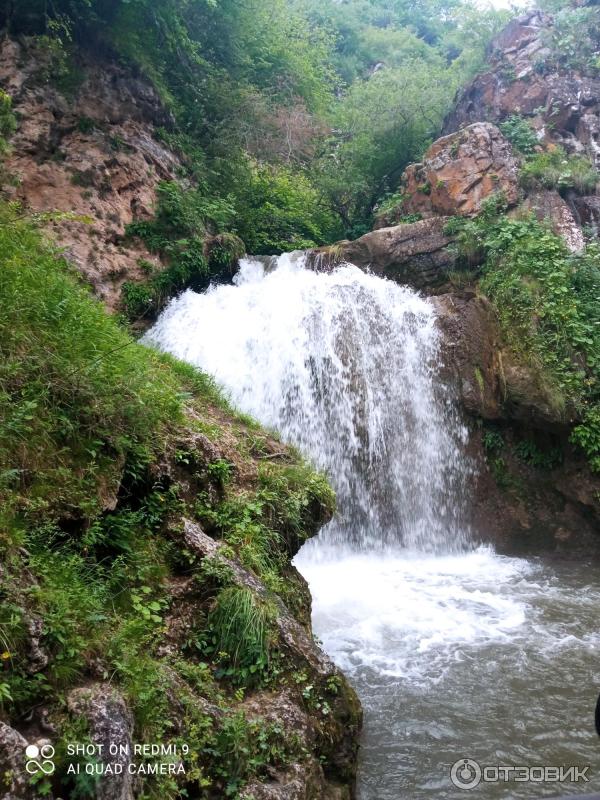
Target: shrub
520, 134
554, 169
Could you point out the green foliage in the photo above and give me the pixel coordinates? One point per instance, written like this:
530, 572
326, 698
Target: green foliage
280, 210
520, 134
241, 626
8, 122
493, 441
542, 458
554, 169
279, 105
87, 413
547, 303
573, 39
587, 435
177, 233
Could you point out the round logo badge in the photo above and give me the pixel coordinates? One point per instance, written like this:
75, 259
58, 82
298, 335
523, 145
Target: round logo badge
465, 774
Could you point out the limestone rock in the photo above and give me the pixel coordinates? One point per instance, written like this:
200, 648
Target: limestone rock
460, 171
111, 723
471, 351
563, 105
549, 206
416, 253
14, 780
94, 160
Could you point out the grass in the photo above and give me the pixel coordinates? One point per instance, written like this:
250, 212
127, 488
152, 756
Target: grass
554, 169
242, 626
97, 469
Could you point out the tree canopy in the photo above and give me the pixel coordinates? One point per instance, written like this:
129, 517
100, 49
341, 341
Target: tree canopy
324, 101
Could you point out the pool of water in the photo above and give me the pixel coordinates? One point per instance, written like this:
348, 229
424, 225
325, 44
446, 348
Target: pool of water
472, 656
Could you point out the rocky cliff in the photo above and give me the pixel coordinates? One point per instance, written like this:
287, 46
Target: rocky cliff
522, 134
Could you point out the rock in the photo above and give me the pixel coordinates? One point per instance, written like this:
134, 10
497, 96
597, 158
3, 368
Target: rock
587, 210
298, 782
471, 352
549, 206
491, 383
416, 253
563, 104
337, 732
37, 657
512, 85
111, 723
93, 159
460, 171
293, 636
514, 504
14, 780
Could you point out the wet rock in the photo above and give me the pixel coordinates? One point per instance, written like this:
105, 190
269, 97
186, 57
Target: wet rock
460, 171
587, 210
491, 383
471, 351
515, 504
417, 253
111, 723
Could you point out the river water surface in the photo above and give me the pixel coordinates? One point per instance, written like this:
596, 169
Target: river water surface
456, 652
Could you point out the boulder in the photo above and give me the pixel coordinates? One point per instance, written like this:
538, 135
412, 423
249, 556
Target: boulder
460, 171
563, 105
14, 780
416, 253
491, 383
111, 724
471, 351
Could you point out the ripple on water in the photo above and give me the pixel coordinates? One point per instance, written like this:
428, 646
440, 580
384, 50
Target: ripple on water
473, 655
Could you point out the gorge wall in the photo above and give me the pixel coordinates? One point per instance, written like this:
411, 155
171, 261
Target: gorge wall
88, 158
513, 406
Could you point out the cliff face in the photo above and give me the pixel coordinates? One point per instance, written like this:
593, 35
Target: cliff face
534, 488
90, 152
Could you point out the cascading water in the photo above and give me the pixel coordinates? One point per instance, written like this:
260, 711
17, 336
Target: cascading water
455, 652
341, 364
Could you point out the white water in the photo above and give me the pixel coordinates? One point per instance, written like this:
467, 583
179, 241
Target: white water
451, 648
341, 364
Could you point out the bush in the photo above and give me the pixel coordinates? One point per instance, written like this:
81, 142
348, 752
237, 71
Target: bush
280, 210
520, 134
554, 169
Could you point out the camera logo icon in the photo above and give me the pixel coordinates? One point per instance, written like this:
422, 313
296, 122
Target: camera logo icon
39, 759
465, 774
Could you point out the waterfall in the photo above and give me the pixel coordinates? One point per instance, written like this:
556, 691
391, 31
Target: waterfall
344, 366
439, 638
